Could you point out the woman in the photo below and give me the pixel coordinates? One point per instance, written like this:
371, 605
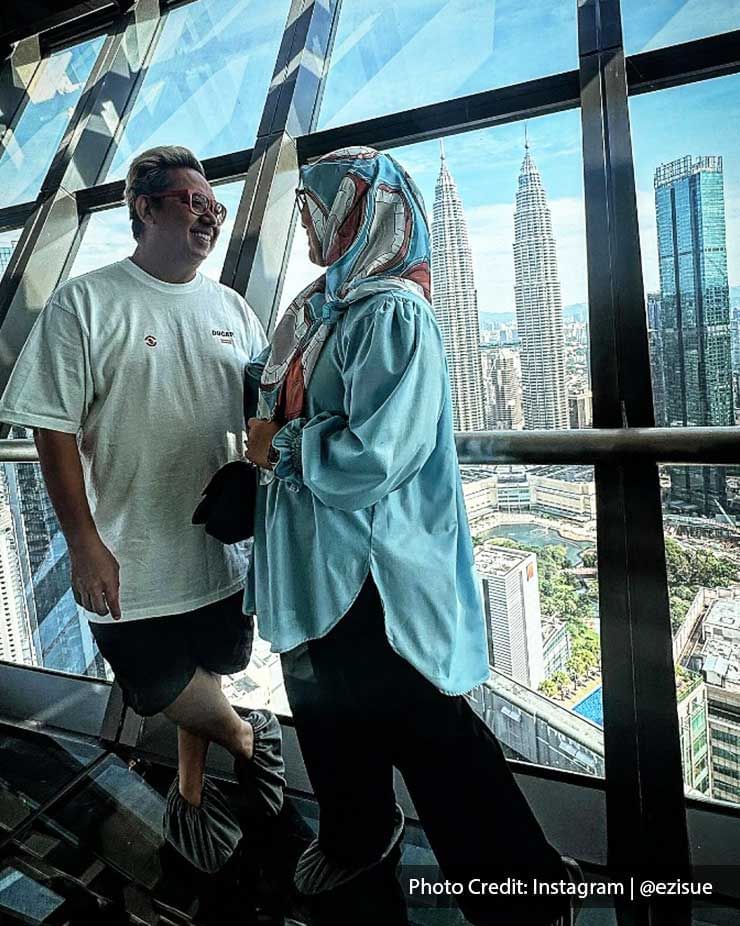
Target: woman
363, 571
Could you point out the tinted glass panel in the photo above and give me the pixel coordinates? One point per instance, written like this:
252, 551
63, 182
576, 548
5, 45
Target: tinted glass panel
53, 95
207, 84
668, 22
387, 55
34, 768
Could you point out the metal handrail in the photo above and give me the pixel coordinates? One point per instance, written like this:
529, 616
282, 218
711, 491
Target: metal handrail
601, 445
18, 451
576, 446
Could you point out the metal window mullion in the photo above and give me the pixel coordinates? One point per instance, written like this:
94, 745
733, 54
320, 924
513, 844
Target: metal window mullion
646, 818
262, 235
17, 73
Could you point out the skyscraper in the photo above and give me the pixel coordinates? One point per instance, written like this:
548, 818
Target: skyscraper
505, 377
16, 644
511, 600
455, 302
694, 314
61, 636
539, 309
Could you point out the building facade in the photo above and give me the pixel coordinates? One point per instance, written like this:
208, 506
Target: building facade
539, 309
505, 390
455, 303
695, 342
511, 601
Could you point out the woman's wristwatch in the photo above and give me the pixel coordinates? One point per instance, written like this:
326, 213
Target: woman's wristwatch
273, 456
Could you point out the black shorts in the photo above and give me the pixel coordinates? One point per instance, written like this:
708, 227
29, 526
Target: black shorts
154, 658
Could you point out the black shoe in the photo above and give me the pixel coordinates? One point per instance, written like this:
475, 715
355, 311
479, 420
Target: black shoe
263, 776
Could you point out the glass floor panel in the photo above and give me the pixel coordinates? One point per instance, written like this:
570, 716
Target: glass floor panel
34, 766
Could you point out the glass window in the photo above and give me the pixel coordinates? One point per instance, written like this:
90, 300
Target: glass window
534, 533
504, 219
8, 241
208, 82
669, 22
23, 754
507, 218
387, 55
703, 557
108, 236
687, 169
41, 623
53, 95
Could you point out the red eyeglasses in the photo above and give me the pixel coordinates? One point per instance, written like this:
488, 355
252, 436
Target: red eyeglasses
197, 202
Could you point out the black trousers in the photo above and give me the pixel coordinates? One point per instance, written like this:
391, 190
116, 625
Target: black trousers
359, 710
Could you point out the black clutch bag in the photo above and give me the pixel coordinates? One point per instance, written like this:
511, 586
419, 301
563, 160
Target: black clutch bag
227, 508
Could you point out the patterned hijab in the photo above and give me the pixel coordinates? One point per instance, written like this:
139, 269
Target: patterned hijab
370, 223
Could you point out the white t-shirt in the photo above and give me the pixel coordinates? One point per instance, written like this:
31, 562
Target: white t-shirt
149, 375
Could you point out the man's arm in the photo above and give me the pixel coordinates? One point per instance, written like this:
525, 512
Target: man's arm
94, 568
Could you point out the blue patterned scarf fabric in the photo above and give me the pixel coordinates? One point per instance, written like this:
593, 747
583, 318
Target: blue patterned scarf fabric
370, 224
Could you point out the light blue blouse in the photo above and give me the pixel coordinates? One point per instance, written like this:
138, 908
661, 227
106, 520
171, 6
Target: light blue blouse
368, 482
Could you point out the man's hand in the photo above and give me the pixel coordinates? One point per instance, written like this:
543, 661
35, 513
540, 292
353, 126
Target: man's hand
95, 582
260, 435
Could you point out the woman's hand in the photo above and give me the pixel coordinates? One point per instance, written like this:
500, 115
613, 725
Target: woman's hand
259, 440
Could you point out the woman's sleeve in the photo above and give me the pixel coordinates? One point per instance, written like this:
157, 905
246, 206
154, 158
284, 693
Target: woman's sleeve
394, 383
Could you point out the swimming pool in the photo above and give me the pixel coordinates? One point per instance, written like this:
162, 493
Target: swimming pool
592, 707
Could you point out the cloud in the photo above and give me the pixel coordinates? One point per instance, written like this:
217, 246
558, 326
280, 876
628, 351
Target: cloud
491, 233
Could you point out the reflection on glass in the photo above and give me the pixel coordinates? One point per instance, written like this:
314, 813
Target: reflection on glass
108, 236
42, 624
35, 767
669, 22
703, 557
118, 816
386, 54
24, 897
8, 241
53, 95
207, 84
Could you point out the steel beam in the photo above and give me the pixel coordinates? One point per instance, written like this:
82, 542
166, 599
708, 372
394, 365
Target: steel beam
263, 230
646, 812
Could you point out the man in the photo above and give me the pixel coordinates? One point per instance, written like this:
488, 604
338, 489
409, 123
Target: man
132, 379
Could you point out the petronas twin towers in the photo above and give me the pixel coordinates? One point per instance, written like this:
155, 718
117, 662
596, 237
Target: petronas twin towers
539, 309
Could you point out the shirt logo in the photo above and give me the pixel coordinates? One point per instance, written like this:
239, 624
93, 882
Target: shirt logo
150, 340
225, 337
